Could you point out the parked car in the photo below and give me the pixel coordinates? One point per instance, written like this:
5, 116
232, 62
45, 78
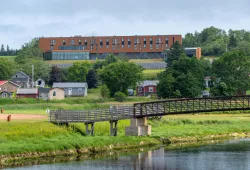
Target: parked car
205, 94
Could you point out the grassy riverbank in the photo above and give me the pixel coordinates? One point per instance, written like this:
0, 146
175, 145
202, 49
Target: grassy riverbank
34, 139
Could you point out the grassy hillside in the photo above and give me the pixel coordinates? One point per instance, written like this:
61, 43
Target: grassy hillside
151, 74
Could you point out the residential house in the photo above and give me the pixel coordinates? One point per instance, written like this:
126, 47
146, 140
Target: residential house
40, 83
51, 93
73, 89
7, 88
147, 88
21, 79
27, 93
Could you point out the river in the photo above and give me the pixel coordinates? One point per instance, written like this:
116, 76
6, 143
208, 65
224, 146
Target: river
229, 155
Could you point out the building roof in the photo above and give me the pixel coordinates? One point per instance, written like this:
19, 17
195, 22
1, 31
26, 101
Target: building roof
149, 82
27, 91
3, 82
68, 85
23, 74
43, 90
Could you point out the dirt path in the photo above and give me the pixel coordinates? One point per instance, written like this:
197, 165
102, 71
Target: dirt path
22, 116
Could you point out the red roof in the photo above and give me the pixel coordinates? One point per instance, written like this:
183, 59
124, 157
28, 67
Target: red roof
3, 82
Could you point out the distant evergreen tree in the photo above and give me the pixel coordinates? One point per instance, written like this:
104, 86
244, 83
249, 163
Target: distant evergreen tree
2, 51
7, 50
92, 79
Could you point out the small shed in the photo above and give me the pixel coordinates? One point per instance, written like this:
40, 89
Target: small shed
43, 93
27, 93
73, 89
56, 94
40, 83
147, 88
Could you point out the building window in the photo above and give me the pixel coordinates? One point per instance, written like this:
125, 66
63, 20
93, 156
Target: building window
135, 47
140, 46
80, 41
129, 43
151, 89
118, 47
52, 42
79, 90
72, 42
115, 41
107, 46
138, 40
91, 42
64, 42
91, 47
151, 41
151, 46
122, 42
167, 42
157, 46
51, 47
113, 47
54, 93
122, 46
107, 43
144, 45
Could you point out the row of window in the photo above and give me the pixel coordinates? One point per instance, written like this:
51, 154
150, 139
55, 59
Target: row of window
114, 47
114, 41
67, 56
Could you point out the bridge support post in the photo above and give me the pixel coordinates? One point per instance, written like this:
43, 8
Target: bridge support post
113, 128
138, 127
89, 130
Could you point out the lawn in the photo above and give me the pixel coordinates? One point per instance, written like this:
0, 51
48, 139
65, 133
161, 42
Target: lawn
11, 58
40, 136
151, 74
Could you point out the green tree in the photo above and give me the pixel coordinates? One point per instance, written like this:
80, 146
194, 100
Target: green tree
233, 69
184, 78
174, 53
2, 51
232, 42
78, 71
41, 69
92, 79
57, 75
7, 69
110, 59
29, 51
120, 76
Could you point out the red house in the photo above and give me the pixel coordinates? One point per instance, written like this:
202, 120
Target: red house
27, 93
147, 88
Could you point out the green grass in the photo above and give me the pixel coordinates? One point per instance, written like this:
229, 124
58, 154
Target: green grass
26, 137
11, 58
151, 74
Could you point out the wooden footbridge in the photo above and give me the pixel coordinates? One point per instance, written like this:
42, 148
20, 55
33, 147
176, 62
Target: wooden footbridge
149, 109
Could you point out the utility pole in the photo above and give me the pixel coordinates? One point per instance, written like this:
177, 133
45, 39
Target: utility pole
32, 76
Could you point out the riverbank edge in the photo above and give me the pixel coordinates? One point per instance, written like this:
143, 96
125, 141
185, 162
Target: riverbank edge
7, 160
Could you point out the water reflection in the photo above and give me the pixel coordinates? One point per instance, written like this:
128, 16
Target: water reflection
234, 154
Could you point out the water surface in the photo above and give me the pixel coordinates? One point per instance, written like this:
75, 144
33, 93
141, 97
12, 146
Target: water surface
233, 154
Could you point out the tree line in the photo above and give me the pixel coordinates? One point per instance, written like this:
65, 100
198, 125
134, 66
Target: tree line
215, 41
7, 51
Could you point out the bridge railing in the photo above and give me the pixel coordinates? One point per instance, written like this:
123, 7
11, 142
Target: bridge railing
192, 105
88, 116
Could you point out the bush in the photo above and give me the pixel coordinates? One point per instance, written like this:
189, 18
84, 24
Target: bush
120, 97
104, 91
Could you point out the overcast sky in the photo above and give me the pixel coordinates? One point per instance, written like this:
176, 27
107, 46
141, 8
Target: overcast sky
22, 20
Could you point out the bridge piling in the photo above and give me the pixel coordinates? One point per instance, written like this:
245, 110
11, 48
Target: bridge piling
138, 127
113, 128
89, 131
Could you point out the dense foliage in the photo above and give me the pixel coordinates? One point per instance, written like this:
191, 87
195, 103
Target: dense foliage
7, 69
7, 51
78, 71
215, 41
120, 76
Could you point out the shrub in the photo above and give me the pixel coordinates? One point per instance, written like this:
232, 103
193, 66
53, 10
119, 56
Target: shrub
120, 97
104, 91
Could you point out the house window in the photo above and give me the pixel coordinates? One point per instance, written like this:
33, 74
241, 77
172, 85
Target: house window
151, 89
140, 89
54, 93
4, 95
79, 89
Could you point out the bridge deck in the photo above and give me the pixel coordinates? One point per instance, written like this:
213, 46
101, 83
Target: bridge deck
150, 109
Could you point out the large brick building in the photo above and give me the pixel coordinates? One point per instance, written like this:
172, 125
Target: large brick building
79, 48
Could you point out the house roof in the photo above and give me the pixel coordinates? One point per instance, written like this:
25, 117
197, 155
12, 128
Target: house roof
27, 91
65, 85
149, 82
44, 90
3, 82
23, 74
